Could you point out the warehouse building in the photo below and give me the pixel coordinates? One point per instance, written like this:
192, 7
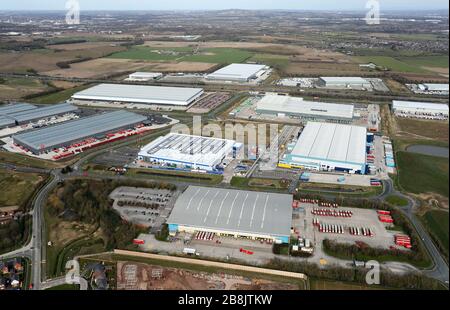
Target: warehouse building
283, 106
62, 135
329, 147
23, 114
238, 72
423, 110
430, 87
344, 82
6, 110
188, 152
234, 213
144, 76
176, 96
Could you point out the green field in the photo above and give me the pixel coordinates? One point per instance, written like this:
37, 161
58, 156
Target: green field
259, 184
422, 173
393, 64
437, 222
209, 55
153, 54
397, 201
17, 187
59, 96
426, 61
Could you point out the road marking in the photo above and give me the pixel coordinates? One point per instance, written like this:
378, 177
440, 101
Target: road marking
231, 209
221, 205
242, 210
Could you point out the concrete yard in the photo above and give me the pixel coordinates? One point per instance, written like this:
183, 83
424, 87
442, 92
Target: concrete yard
367, 218
162, 202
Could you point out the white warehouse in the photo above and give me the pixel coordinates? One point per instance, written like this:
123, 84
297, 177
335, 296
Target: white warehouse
283, 106
175, 96
329, 147
188, 152
423, 110
344, 82
238, 72
144, 76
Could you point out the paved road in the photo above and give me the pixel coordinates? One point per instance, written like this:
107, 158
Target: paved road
440, 269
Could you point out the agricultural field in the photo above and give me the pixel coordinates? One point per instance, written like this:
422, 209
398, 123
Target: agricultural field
17, 187
409, 64
16, 88
208, 55
423, 129
45, 60
420, 174
437, 222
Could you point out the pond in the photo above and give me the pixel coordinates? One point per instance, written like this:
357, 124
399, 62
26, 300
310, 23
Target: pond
429, 150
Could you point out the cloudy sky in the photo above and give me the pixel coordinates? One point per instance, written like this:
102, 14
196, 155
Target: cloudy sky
218, 4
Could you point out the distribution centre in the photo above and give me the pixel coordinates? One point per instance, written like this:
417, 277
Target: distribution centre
329, 147
238, 72
343, 82
189, 152
420, 109
23, 113
177, 96
234, 213
61, 135
297, 107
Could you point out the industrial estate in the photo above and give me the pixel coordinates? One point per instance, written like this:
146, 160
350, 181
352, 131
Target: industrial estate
286, 161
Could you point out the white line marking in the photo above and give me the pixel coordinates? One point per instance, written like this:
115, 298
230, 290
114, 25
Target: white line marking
231, 209
201, 200
210, 204
220, 208
253, 211
190, 200
242, 210
264, 212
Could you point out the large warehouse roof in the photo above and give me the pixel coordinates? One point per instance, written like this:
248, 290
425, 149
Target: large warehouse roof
236, 72
333, 142
78, 129
436, 87
14, 108
344, 80
235, 211
140, 94
188, 149
397, 104
6, 121
40, 113
295, 105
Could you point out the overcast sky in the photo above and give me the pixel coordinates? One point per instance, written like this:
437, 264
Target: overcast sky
220, 4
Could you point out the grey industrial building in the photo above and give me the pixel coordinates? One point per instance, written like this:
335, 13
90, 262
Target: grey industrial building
5, 110
236, 213
48, 138
19, 114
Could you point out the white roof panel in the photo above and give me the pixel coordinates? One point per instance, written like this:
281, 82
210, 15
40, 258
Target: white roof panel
295, 105
237, 71
345, 79
140, 94
397, 104
334, 142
